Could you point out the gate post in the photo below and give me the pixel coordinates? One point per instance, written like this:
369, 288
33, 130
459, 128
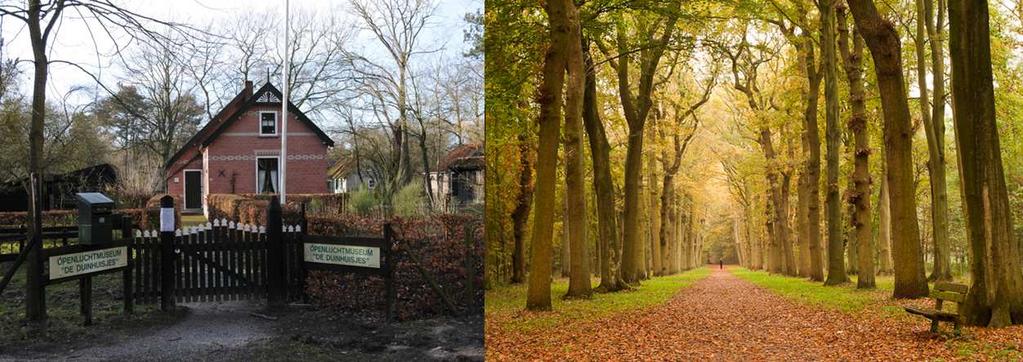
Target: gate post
166, 253
275, 253
129, 293
390, 264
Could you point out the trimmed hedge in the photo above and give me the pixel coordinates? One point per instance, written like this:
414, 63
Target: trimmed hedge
439, 244
250, 209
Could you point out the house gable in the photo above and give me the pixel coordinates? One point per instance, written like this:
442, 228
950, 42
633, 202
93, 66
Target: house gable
267, 95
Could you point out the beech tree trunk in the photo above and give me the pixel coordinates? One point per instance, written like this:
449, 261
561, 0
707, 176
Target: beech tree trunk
575, 179
609, 244
860, 196
884, 227
836, 247
813, 164
654, 209
933, 117
883, 41
520, 215
635, 110
995, 298
538, 290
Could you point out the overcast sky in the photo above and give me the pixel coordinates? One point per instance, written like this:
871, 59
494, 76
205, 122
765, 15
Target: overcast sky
73, 42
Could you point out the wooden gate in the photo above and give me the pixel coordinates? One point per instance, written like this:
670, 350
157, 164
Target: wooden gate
218, 261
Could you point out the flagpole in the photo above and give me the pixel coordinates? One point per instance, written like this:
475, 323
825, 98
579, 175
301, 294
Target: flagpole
284, 107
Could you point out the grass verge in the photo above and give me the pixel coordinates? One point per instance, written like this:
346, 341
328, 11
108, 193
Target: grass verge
504, 305
844, 297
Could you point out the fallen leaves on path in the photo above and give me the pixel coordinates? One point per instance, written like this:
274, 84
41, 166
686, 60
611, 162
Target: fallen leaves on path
725, 318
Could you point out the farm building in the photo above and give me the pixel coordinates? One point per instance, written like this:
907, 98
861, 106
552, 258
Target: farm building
457, 181
59, 189
344, 177
238, 152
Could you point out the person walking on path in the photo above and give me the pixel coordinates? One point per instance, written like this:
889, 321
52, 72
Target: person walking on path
721, 264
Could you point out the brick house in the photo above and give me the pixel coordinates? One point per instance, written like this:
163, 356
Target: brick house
238, 152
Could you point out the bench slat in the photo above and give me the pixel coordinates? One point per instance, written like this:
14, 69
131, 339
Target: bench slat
951, 287
949, 296
933, 314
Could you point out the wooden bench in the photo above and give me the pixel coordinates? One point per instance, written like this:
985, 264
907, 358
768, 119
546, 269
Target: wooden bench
943, 291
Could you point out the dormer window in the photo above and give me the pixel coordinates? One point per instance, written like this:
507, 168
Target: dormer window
267, 123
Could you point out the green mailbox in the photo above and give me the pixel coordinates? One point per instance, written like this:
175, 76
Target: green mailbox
95, 211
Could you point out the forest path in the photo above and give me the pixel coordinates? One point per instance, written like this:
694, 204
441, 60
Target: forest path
723, 317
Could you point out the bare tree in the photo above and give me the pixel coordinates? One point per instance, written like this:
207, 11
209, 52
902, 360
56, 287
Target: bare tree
397, 25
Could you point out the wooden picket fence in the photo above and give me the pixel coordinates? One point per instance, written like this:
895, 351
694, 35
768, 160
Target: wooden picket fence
218, 261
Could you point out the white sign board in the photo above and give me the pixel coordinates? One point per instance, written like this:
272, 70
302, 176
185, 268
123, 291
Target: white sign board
362, 256
166, 219
62, 266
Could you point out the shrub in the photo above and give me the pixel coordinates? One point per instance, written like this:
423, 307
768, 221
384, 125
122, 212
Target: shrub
438, 243
362, 201
408, 201
50, 218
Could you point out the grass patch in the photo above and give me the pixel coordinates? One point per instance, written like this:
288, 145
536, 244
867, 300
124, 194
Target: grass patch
192, 219
504, 305
843, 297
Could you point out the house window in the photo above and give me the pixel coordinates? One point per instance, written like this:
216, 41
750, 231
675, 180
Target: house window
267, 123
266, 175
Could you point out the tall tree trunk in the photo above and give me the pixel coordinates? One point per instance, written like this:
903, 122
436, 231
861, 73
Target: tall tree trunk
802, 214
775, 225
654, 210
995, 298
813, 164
538, 292
788, 256
886, 51
884, 229
610, 246
860, 197
575, 179
667, 198
934, 127
35, 295
836, 257
520, 215
635, 111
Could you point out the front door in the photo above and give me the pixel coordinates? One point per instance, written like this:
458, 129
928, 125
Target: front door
193, 189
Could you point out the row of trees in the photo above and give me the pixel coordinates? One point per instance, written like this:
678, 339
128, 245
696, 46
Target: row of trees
849, 246
615, 77
638, 78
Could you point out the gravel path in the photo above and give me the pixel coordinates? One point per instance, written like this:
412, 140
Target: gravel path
726, 318
207, 329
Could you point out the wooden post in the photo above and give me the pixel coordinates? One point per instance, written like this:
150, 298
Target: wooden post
167, 253
300, 247
127, 291
470, 270
389, 264
85, 292
275, 253
35, 293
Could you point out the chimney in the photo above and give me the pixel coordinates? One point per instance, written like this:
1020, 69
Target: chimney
248, 89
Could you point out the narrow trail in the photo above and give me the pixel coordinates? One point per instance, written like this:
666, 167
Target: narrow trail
723, 317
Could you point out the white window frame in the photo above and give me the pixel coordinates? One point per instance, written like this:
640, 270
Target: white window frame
256, 164
277, 124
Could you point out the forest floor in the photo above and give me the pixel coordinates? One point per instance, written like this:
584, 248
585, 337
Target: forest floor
736, 314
